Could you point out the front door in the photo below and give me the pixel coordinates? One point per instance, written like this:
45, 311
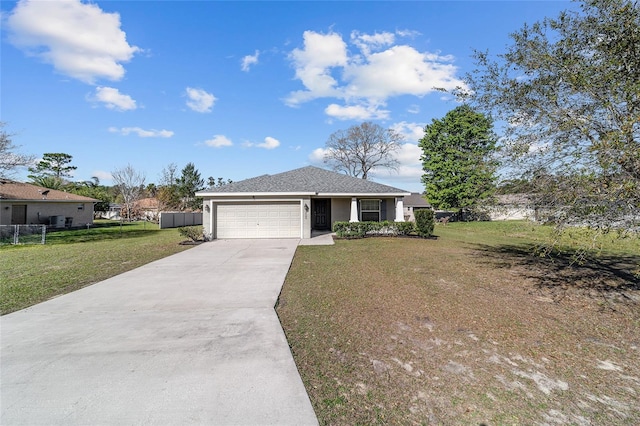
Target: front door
18, 214
321, 216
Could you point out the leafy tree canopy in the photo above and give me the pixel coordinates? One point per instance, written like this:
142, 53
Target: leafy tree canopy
188, 184
568, 89
53, 164
457, 159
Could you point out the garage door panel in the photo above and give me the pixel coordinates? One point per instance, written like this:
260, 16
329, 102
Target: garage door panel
258, 220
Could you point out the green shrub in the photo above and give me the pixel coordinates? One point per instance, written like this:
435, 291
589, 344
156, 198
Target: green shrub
405, 228
424, 222
364, 229
194, 233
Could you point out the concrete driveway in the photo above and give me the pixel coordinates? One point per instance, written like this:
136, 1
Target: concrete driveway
189, 339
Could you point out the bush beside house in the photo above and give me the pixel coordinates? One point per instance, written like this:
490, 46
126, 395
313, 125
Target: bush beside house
385, 228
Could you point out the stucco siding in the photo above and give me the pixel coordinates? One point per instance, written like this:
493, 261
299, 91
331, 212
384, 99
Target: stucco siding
39, 213
340, 210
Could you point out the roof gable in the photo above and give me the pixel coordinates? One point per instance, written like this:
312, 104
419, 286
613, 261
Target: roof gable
308, 179
11, 190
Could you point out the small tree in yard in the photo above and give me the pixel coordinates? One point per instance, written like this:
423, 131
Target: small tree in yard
424, 222
188, 184
9, 159
457, 158
130, 185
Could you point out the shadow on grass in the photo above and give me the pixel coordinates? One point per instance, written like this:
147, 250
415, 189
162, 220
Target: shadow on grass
560, 271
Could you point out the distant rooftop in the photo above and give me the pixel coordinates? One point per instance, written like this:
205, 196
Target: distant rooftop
11, 190
415, 200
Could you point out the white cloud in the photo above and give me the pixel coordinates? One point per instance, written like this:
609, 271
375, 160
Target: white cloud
78, 39
249, 60
409, 169
218, 141
317, 156
102, 175
413, 109
411, 132
368, 42
313, 65
356, 112
113, 99
400, 70
200, 100
269, 143
365, 80
152, 133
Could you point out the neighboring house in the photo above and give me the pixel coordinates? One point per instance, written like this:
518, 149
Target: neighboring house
512, 207
293, 203
112, 213
25, 204
414, 202
147, 208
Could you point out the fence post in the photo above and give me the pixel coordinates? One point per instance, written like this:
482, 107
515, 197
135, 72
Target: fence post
15, 235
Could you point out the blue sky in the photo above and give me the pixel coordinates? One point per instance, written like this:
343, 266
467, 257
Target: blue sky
238, 88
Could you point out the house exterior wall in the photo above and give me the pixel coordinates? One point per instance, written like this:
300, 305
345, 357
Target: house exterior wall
511, 213
38, 213
340, 210
306, 217
207, 219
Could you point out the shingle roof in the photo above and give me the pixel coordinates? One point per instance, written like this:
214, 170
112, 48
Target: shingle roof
305, 180
415, 200
11, 190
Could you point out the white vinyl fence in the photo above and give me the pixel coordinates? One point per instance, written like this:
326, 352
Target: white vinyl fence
176, 220
22, 234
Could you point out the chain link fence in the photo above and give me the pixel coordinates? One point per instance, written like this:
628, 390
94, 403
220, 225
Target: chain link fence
22, 234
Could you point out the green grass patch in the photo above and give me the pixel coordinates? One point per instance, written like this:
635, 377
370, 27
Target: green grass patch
472, 327
72, 259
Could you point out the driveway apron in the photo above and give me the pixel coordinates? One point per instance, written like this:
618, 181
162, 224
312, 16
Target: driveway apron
189, 339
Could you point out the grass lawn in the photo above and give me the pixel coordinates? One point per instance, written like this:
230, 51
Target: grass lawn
468, 328
72, 259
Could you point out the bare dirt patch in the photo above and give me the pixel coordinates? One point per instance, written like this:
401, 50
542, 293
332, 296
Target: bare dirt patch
403, 331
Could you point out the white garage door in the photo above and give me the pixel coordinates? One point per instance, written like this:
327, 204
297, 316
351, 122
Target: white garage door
258, 220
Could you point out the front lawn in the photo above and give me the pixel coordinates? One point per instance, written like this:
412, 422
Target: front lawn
468, 328
72, 259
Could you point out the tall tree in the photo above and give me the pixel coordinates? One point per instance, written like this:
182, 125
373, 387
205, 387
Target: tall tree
168, 194
359, 149
55, 164
130, 185
10, 160
188, 184
569, 90
458, 159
